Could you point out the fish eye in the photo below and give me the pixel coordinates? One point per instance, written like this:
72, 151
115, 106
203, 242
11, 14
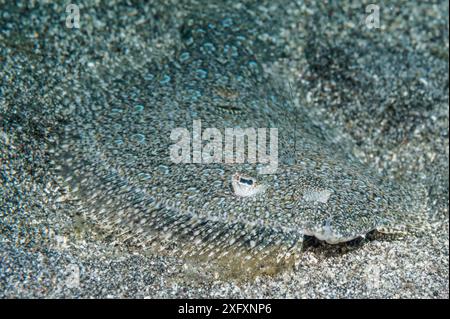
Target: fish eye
246, 181
245, 186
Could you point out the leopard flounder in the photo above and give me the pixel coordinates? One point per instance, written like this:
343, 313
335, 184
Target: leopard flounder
115, 158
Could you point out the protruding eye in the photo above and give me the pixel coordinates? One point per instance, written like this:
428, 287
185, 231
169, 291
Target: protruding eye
245, 186
246, 181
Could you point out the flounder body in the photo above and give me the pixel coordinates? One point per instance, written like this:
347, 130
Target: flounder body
115, 157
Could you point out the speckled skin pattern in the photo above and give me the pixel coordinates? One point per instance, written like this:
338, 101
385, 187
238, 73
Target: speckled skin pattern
87, 182
114, 155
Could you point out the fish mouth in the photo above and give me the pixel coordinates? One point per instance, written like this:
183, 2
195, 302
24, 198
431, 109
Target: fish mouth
329, 235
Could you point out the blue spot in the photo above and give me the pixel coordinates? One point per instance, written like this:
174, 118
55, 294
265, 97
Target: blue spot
139, 138
149, 77
166, 79
252, 64
234, 52
209, 47
195, 94
115, 111
227, 22
201, 74
118, 141
139, 108
222, 79
184, 56
189, 41
144, 176
163, 169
